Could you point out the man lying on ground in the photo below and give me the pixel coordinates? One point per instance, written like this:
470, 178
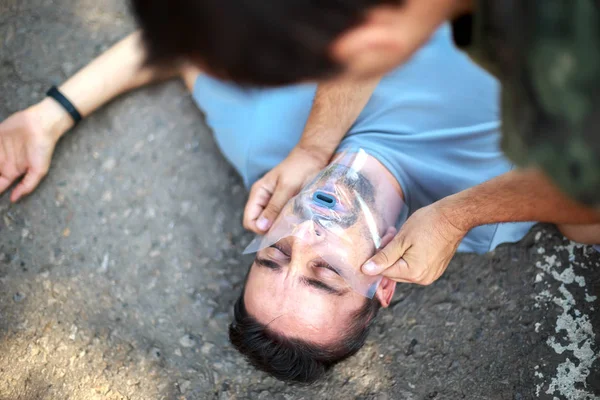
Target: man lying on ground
432, 129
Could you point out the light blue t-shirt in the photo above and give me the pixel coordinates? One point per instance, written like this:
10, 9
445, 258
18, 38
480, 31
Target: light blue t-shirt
433, 123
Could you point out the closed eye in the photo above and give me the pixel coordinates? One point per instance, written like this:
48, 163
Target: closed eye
317, 284
268, 264
280, 248
321, 264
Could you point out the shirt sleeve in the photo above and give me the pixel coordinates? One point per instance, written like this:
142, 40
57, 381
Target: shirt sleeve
545, 55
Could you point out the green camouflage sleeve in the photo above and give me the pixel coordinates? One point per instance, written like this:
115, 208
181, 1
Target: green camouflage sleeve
546, 53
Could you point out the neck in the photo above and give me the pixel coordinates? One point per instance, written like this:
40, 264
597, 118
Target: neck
389, 195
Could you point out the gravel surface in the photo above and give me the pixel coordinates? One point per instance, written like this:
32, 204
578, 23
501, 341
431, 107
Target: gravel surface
117, 277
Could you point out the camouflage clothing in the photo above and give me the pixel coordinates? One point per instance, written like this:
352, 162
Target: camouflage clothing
546, 53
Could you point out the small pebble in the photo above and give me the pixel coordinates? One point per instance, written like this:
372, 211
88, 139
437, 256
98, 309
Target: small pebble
109, 164
19, 297
104, 266
206, 348
68, 68
154, 253
150, 213
187, 341
184, 386
155, 352
264, 395
73, 334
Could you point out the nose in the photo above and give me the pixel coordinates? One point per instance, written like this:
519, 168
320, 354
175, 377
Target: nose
303, 245
309, 232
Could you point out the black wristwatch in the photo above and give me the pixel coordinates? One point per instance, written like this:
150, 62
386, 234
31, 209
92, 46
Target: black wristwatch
65, 103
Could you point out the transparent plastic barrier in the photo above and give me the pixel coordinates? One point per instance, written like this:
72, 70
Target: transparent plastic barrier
343, 215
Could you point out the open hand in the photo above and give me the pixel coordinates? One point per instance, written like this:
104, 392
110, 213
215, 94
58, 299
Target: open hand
27, 142
422, 249
271, 193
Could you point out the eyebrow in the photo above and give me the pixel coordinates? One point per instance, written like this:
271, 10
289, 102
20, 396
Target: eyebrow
314, 283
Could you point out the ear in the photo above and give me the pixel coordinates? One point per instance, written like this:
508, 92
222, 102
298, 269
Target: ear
387, 237
385, 292
371, 42
387, 287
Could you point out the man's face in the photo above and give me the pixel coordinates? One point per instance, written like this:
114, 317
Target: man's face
391, 34
275, 42
291, 290
298, 286
388, 37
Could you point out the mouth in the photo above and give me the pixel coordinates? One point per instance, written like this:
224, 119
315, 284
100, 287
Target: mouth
324, 199
325, 205
323, 214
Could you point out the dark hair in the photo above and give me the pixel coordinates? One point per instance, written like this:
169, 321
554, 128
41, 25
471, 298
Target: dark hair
295, 360
265, 42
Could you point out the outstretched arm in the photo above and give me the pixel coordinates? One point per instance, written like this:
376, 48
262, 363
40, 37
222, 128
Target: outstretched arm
421, 251
519, 195
28, 138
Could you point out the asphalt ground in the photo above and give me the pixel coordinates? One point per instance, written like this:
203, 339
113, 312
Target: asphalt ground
118, 275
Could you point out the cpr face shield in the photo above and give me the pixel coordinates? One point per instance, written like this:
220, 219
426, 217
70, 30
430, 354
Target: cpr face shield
342, 215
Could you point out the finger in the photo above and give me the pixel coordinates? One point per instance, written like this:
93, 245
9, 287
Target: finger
5, 183
283, 193
257, 201
397, 272
29, 182
386, 257
259, 197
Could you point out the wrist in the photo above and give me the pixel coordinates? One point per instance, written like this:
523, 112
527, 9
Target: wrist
321, 154
54, 119
456, 213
